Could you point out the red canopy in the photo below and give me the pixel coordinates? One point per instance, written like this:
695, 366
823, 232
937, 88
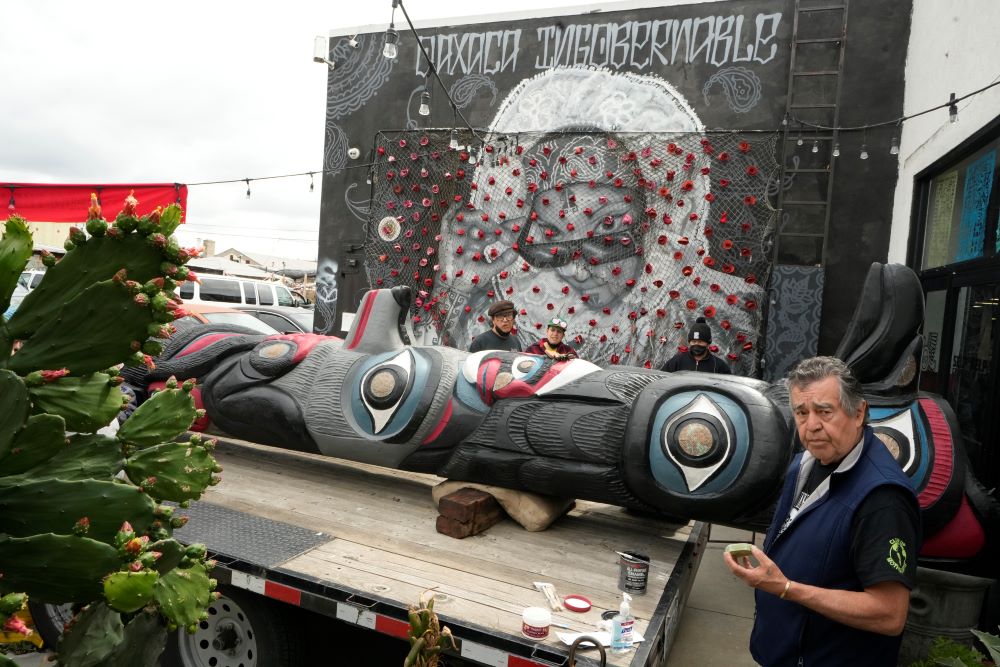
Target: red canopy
44, 202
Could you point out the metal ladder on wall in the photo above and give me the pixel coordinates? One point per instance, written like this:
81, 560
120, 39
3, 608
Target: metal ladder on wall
815, 76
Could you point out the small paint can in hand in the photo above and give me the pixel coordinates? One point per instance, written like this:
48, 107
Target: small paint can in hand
633, 571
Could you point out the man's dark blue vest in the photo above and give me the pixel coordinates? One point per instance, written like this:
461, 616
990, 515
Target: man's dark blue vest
815, 549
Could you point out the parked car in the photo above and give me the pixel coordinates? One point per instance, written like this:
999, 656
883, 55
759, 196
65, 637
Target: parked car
285, 320
199, 313
236, 291
30, 278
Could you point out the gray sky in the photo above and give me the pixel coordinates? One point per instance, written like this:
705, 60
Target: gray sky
185, 91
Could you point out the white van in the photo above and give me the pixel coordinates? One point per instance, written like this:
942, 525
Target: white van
235, 291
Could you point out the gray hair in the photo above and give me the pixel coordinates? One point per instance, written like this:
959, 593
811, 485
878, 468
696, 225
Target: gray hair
816, 369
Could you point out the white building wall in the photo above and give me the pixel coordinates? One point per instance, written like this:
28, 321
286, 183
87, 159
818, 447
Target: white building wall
954, 48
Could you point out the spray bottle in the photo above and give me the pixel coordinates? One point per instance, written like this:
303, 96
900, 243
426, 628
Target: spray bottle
622, 626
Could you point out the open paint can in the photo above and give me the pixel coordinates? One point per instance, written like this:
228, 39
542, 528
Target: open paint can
633, 572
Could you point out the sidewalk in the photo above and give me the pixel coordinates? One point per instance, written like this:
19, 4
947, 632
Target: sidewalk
715, 626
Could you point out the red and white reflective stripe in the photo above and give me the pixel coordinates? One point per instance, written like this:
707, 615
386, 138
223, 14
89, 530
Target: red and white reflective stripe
387, 625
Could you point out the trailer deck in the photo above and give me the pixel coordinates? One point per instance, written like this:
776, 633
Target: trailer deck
358, 543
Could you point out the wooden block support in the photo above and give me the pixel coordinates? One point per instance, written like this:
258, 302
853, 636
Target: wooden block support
467, 512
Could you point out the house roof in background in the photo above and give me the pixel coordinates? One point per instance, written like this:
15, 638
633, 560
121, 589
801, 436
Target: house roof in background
228, 268
275, 264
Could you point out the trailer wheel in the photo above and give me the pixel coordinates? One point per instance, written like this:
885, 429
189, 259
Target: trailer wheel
242, 630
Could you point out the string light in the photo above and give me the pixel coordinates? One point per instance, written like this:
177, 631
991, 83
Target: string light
864, 152
453, 144
799, 142
425, 103
248, 188
894, 146
391, 36
836, 149
952, 109
815, 148
310, 181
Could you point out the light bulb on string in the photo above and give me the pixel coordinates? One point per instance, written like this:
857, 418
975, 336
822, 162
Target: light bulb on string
799, 141
815, 148
390, 49
425, 103
248, 188
311, 186
453, 144
952, 109
836, 149
894, 146
864, 152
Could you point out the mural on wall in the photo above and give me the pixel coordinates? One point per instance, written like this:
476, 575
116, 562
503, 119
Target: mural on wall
627, 236
793, 328
634, 257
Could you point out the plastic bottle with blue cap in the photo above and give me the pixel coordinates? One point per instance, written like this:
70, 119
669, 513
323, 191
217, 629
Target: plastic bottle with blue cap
622, 627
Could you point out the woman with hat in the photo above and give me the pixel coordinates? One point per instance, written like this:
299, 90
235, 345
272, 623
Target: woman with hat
552, 344
697, 357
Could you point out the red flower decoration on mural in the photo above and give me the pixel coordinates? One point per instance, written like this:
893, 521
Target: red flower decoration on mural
709, 311
744, 147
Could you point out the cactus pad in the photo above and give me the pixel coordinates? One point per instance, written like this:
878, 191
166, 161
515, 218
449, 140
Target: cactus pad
56, 568
87, 403
130, 591
94, 634
173, 471
42, 437
15, 250
184, 593
163, 416
13, 408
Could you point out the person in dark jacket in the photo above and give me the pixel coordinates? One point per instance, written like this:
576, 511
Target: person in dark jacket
552, 344
499, 336
697, 357
834, 577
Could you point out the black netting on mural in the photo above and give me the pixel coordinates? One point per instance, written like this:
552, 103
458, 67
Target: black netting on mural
627, 237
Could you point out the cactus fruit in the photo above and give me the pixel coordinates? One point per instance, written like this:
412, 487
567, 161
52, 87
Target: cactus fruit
73, 529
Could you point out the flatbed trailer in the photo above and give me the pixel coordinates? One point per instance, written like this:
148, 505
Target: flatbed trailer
357, 543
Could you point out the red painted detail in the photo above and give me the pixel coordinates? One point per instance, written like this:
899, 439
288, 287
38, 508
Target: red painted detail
203, 342
962, 537
159, 385
944, 454
518, 661
445, 418
201, 423
359, 330
522, 389
488, 371
283, 593
304, 343
391, 626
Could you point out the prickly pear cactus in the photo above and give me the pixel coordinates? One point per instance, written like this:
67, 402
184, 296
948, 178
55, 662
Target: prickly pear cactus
81, 519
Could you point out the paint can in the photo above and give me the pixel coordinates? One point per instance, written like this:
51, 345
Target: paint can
633, 572
535, 622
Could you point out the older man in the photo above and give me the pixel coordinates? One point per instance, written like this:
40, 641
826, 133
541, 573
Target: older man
499, 336
839, 559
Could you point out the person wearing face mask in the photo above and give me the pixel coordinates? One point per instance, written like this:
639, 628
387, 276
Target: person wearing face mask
498, 336
697, 357
552, 344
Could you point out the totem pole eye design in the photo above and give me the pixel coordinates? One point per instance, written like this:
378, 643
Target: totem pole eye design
904, 437
384, 387
699, 442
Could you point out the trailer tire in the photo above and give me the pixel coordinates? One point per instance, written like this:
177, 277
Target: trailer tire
242, 630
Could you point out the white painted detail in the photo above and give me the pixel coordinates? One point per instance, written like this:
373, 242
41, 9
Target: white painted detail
903, 422
470, 367
695, 477
483, 654
574, 370
405, 363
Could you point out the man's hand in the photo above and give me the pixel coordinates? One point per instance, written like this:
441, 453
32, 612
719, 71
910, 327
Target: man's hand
879, 608
765, 575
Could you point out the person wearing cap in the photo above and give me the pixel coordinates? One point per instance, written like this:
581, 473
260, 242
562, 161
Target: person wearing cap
697, 357
499, 336
552, 344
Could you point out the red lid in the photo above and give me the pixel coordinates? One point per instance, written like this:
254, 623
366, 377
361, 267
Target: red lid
576, 603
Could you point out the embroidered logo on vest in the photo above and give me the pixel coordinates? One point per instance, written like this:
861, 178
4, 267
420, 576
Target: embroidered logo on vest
897, 555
